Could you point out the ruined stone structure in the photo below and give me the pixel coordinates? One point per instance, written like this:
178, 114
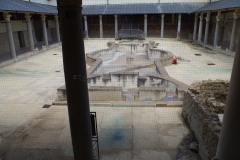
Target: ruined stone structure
143, 81
203, 106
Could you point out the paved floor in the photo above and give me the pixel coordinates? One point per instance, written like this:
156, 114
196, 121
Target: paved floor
28, 131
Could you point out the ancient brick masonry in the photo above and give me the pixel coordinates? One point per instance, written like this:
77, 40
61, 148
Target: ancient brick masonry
203, 101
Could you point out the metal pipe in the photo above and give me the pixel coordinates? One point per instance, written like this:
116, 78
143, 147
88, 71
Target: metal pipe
70, 14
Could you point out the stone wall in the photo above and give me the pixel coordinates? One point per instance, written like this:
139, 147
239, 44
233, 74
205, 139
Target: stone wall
165, 57
151, 93
105, 94
202, 104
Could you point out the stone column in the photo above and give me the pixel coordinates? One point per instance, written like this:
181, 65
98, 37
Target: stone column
10, 35
172, 21
200, 27
145, 25
234, 29
57, 28
162, 26
74, 63
116, 26
86, 26
218, 17
30, 34
101, 26
206, 29
195, 27
179, 27
228, 145
45, 36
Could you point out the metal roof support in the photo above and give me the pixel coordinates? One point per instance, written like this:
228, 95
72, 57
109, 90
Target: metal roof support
70, 13
195, 27
179, 27
57, 28
218, 17
234, 30
10, 35
86, 27
206, 29
162, 26
101, 26
200, 27
145, 25
44, 29
30, 32
116, 26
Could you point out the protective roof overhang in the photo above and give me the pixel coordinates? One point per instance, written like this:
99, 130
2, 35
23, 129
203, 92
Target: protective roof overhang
151, 8
220, 5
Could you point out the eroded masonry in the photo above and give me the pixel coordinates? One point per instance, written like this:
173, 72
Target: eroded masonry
129, 71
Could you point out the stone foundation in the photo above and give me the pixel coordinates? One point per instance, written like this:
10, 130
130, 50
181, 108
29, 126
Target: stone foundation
203, 103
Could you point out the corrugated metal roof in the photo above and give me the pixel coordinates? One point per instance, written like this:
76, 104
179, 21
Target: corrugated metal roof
23, 6
141, 8
223, 4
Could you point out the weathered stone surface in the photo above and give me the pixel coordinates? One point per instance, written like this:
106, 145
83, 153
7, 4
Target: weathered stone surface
203, 102
184, 150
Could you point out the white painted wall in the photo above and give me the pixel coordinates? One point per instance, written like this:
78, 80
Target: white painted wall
99, 2
48, 2
16, 26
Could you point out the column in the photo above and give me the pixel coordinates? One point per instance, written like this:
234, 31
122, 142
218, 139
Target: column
30, 34
234, 29
228, 145
200, 27
179, 27
162, 26
206, 29
218, 17
172, 21
57, 28
195, 27
10, 35
74, 67
116, 26
101, 26
145, 25
45, 36
86, 26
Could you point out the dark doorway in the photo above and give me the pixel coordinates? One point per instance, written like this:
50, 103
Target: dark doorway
21, 39
221, 34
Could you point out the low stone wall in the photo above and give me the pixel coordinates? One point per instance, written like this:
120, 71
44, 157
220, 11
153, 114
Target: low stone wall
158, 54
104, 87
105, 94
62, 93
217, 49
132, 48
151, 93
95, 62
202, 104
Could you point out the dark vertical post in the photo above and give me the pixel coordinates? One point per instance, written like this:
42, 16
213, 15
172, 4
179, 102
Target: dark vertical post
70, 14
229, 141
